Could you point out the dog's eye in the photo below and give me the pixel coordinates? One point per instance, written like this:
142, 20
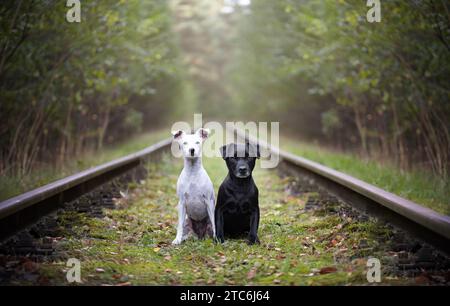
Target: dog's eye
198, 142
185, 143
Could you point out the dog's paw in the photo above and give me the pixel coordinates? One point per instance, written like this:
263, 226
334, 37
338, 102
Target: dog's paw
253, 240
219, 239
176, 241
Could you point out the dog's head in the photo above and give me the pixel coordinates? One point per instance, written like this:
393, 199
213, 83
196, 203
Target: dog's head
240, 158
191, 144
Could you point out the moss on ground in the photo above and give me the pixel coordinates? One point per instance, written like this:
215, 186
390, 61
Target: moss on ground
131, 245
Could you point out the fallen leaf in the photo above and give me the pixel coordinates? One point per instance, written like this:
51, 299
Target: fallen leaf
30, 266
359, 262
43, 280
99, 270
422, 279
327, 270
251, 274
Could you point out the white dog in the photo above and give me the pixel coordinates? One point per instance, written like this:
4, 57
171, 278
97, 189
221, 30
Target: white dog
194, 189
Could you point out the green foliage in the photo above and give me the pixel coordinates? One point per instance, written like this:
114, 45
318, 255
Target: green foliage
330, 121
12, 185
312, 64
318, 67
67, 87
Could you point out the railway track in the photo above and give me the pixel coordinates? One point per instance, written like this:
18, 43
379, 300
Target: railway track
99, 185
23, 210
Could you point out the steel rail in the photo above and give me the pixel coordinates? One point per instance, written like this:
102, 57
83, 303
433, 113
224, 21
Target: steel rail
25, 209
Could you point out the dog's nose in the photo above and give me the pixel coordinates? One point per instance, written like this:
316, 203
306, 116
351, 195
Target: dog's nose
242, 170
192, 151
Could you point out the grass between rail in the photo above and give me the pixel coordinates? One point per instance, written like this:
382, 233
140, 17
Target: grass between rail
418, 186
132, 244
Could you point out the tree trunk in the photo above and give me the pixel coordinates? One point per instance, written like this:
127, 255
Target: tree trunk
103, 127
361, 130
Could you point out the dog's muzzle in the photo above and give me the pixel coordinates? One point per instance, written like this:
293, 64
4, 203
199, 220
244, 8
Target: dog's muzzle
242, 172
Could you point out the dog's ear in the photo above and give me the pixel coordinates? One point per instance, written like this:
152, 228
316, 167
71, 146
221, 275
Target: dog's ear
177, 134
253, 151
228, 150
223, 151
203, 133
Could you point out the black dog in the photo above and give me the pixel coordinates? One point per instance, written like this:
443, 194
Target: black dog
237, 209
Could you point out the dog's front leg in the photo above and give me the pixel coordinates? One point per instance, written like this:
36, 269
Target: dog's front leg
211, 216
254, 224
218, 215
181, 220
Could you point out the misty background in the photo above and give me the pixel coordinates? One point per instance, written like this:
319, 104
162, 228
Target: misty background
379, 90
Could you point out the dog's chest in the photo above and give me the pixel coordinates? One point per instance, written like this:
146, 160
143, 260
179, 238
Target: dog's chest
238, 204
196, 202
195, 192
